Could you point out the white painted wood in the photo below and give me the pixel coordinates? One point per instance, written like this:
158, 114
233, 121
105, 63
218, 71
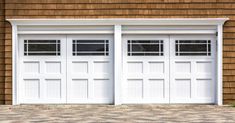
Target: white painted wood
185, 79
146, 78
65, 27
118, 64
90, 78
65, 32
42, 79
192, 78
61, 29
121, 21
15, 66
166, 29
219, 66
170, 32
85, 29
66, 78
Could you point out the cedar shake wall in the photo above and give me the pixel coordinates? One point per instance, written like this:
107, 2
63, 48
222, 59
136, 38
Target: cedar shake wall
123, 9
2, 66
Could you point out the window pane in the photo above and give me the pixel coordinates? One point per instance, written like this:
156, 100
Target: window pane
193, 47
145, 48
41, 47
91, 47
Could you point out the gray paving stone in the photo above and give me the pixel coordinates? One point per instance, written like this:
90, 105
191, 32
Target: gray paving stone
110, 113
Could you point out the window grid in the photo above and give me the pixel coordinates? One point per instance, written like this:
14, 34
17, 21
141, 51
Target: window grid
88, 44
41, 47
195, 47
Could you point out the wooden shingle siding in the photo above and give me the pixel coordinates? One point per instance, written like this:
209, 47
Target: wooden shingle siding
2, 65
120, 9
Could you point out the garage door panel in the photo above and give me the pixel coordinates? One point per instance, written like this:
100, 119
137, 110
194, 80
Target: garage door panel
32, 88
192, 82
204, 87
101, 67
79, 88
182, 67
145, 68
53, 67
66, 69
134, 89
156, 88
181, 89
43, 68
53, 88
181, 72
156, 67
204, 67
135, 67
79, 67
90, 68
102, 88
31, 67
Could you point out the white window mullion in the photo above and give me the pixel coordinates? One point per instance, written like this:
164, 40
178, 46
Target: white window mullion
104, 47
56, 47
159, 47
27, 47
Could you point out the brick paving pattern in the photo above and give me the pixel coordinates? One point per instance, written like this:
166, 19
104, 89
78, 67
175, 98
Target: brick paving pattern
110, 113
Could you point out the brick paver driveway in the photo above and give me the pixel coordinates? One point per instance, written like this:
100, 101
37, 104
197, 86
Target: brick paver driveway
110, 113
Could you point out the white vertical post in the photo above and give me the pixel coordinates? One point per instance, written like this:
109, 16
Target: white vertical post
220, 65
15, 93
117, 64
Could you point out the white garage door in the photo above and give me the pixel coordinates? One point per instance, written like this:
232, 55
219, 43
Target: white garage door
65, 69
90, 69
169, 69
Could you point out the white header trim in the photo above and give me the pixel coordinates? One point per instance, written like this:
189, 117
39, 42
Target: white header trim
121, 21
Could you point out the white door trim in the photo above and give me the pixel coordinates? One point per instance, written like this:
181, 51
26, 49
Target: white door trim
219, 64
117, 70
121, 21
118, 22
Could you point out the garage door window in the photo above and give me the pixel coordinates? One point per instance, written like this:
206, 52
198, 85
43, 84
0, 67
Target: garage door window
193, 47
90, 47
41, 47
145, 48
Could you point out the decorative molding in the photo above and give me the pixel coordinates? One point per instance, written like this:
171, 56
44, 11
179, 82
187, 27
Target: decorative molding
121, 21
